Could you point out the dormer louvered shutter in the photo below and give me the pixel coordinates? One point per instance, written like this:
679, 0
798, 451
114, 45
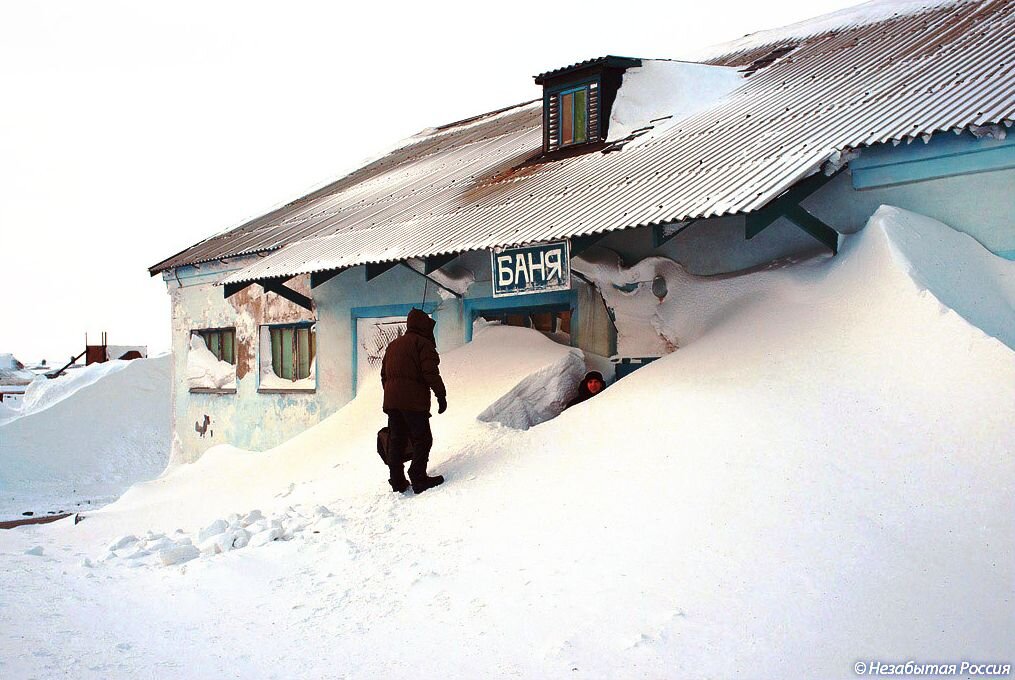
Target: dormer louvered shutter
553, 122
593, 119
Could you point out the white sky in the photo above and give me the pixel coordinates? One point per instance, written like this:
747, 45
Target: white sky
129, 131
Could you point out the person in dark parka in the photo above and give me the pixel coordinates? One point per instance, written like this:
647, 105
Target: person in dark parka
591, 385
409, 372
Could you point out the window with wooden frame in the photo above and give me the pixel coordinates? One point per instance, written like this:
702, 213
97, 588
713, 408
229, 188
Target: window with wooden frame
292, 351
221, 342
572, 115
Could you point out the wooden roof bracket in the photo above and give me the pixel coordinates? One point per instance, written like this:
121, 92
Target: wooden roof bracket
317, 278
278, 287
431, 280
661, 233
231, 289
788, 206
375, 269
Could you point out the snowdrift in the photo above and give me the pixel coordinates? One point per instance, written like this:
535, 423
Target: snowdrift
81, 439
42, 393
822, 473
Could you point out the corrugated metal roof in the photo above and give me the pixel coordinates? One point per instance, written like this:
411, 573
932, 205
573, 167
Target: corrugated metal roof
461, 188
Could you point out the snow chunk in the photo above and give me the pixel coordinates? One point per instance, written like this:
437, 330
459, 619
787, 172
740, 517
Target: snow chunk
675, 90
37, 551
205, 370
217, 527
122, 543
266, 536
539, 396
179, 554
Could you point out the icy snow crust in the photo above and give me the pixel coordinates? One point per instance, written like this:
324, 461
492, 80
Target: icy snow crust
822, 473
81, 439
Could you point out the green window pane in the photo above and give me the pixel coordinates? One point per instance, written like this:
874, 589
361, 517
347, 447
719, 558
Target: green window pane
228, 340
302, 353
276, 351
214, 344
288, 350
581, 115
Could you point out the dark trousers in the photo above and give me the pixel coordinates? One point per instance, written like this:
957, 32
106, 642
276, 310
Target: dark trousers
406, 426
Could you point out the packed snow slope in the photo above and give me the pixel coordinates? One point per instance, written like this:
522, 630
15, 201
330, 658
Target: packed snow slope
80, 440
821, 474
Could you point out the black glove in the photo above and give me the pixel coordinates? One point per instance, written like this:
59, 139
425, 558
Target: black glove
442, 404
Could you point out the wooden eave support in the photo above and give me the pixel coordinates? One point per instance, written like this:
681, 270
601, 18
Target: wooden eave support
661, 233
317, 278
232, 289
375, 269
432, 264
278, 287
431, 280
580, 243
788, 206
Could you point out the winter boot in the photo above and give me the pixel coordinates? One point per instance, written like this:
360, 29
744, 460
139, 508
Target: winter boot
421, 484
398, 485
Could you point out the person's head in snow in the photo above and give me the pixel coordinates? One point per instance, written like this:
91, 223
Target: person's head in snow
591, 385
409, 371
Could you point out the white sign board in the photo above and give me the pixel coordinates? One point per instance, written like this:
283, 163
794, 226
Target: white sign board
531, 269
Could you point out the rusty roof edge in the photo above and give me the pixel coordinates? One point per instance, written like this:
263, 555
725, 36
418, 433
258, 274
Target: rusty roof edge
328, 185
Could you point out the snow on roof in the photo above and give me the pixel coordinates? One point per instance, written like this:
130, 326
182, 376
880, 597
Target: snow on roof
858, 15
670, 90
473, 186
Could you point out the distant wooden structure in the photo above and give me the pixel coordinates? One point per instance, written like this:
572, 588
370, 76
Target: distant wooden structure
101, 353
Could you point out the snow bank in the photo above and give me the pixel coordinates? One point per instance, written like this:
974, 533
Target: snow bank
954, 268
822, 473
673, 90
84, 438
205, 370
43, 393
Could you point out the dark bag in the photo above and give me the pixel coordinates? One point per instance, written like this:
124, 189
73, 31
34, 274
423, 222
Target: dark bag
383, 437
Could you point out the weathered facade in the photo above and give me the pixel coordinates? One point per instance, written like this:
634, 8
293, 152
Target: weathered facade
790, 139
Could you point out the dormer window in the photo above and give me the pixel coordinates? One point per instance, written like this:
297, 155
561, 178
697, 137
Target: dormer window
572, 115
577, 101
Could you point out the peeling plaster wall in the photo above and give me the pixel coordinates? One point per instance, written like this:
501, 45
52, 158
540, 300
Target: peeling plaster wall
246, 419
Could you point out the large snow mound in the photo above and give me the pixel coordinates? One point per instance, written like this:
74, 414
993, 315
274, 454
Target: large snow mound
80, 440
954, 268
822, 473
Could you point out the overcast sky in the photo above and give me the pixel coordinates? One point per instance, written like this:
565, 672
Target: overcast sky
129, 131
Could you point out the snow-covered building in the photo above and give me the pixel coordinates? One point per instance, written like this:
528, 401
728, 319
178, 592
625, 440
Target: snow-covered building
565, 213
